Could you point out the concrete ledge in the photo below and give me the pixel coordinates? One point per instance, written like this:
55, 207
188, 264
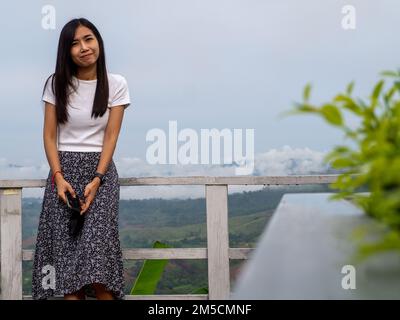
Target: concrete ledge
304, 248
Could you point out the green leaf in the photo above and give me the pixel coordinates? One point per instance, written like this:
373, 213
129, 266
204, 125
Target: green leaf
306, 92
350, 88
342, 149
362, 104
332, 114
300, 108
349, 104
306, 108
397, 85
203, 290
150, 274
389, 73
338, 151
388, 96
342, 163
376, 92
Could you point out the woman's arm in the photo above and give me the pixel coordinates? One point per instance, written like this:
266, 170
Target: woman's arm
110, 138
50, 137
50, 146
109, 142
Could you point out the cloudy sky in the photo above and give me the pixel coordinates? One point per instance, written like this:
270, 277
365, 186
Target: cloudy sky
205, 64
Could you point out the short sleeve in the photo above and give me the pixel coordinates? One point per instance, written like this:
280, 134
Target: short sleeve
121, 96
48, 94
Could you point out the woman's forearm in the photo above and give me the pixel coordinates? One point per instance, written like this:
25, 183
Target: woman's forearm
110, 138
109, 144
50, 146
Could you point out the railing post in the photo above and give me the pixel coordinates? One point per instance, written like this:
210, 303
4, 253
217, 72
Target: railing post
11, 244
217, 242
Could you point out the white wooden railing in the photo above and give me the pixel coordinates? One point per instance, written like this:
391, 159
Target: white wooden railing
218, 253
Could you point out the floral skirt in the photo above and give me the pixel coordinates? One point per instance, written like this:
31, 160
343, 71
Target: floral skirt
64, 264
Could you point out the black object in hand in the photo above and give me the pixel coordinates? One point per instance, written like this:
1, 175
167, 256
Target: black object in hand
76, 219
73, 203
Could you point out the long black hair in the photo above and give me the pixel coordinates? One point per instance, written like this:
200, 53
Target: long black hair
61, 80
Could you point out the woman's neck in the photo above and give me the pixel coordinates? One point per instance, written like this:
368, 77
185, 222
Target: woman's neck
88, 73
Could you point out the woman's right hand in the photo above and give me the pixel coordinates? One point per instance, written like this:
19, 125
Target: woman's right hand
62, 187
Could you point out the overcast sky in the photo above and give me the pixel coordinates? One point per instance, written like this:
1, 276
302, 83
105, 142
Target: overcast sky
206, 64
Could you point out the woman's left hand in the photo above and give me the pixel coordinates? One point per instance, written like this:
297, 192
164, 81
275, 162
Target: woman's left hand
90, 193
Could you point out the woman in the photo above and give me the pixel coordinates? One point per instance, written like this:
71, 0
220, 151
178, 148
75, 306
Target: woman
84, 107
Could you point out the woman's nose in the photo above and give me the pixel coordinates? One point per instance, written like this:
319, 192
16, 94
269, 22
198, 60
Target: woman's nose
83, 47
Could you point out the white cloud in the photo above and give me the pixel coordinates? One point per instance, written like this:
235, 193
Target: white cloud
289, 161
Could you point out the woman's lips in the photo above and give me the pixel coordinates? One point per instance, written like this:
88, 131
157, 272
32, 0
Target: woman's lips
88, 55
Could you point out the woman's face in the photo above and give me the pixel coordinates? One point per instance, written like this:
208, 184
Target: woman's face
84, 48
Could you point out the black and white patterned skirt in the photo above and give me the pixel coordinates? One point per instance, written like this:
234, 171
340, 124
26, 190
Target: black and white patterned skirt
63, 264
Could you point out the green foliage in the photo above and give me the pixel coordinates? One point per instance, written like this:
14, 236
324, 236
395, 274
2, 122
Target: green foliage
374, 163
150, 274
202, 290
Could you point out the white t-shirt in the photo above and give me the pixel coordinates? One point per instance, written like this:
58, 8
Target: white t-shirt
82, 132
